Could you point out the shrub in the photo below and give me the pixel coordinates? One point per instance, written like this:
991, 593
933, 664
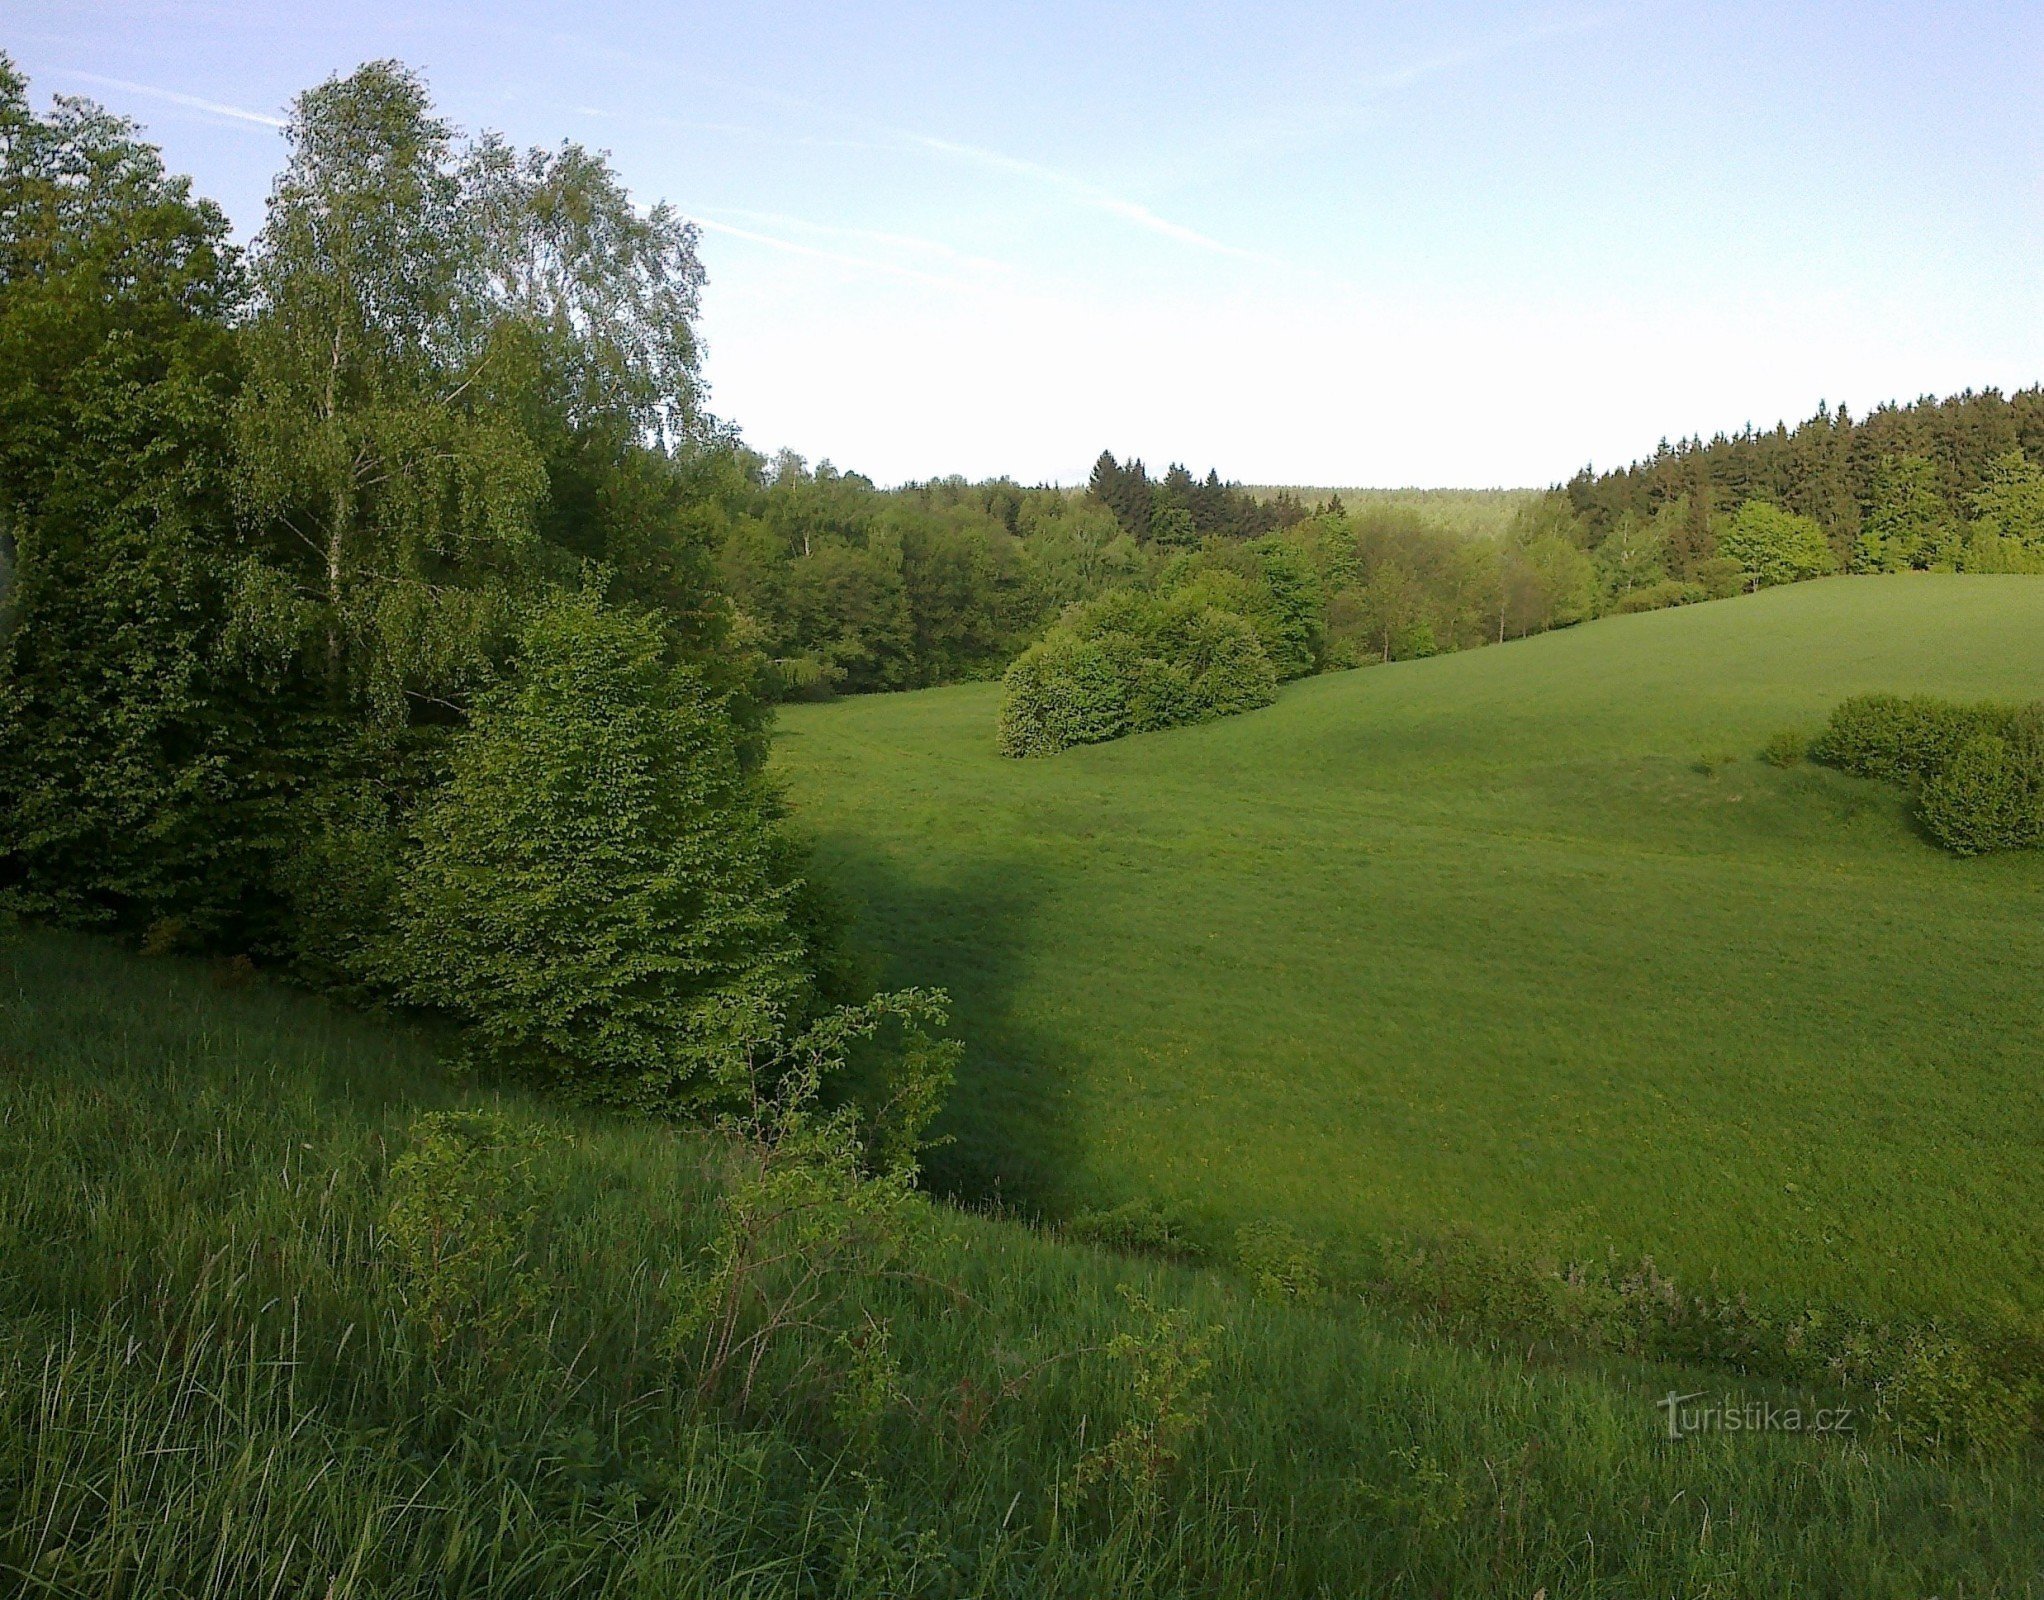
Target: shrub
1166, 1356
1902, 738
1786, 749
1990, 794
1937, 1393
1139, 1226
1133, 663
599, 892
819, 1207
460, 1204
1659, 596
1226, 664
1062, 691
1278, 1263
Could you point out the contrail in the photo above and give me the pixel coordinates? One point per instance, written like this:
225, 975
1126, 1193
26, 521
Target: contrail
259, 118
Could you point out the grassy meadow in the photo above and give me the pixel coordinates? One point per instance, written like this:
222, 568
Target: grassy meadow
1524, 941
209, 1385
1474, 512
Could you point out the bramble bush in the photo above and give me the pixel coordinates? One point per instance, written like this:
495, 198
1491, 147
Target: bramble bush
818, 1207
461, 1203
1278, 1263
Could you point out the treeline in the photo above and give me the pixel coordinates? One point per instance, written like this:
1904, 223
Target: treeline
1951, 484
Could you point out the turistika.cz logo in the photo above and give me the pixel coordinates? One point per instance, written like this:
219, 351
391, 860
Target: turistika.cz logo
1730, 1414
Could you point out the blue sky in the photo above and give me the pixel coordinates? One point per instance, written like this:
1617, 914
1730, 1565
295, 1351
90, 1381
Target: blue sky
1444, 244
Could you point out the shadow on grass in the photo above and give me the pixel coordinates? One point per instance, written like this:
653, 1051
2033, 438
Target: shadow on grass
1010, 1137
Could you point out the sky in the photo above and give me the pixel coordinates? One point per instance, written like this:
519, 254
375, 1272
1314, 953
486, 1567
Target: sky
1441, 245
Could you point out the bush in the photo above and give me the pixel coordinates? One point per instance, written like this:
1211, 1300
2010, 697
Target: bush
1990, 795
1278, 1263
1659, 596
599, 891
1902, 738
1062, 691
1138, 1227
460, 1204
1786, 749
1133, 663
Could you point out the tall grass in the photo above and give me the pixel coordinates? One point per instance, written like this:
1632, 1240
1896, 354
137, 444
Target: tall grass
208, 1385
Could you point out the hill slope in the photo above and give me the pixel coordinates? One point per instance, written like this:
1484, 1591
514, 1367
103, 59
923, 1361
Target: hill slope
1522, 940
210, 1384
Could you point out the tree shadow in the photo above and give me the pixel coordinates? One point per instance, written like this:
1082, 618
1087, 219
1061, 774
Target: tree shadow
1007, 1133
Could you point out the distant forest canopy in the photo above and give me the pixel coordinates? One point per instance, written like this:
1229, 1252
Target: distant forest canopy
1905, 485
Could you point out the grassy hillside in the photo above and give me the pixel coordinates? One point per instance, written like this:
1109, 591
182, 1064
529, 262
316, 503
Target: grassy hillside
1477, 512
209, 1386
1523, 940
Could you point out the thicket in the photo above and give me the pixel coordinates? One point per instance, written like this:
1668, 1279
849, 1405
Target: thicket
1207, 646
1977, 771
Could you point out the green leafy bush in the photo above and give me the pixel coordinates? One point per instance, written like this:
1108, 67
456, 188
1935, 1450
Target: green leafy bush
1978, 770
1659, 596
1990, 794
599, 891
1786, 749
1060, 692
461, 1202
1135, 663
1903, 738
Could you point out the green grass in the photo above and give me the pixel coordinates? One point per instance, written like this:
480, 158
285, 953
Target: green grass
1478, 513
207, 1388
1525, 940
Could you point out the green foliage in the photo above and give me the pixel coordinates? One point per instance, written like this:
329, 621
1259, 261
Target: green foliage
1910, 521
1061, 692
1659, 596
1902, 738
1278, 1263
1136, 663
1988, 795
1165, 1359
1890, 489
1938, 1394
813, 1213
1978, 769
1136, 1227
460, 1207
134, 781
1774, 546
600, 892
1786, 748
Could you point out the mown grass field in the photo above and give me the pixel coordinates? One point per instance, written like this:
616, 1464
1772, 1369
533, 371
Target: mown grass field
1524, 940
209, 1386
